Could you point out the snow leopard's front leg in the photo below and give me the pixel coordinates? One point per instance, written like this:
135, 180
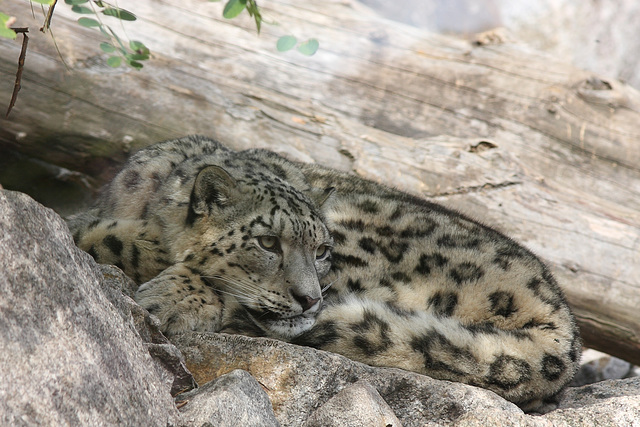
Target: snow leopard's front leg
133, 245
182, 301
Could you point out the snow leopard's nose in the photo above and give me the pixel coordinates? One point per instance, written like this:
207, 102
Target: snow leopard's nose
305, 301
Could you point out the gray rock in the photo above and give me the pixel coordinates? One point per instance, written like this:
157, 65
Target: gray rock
358, 404
604, 404
69, 354
167, 359
300, 380
171, 367
597, 366
235, 399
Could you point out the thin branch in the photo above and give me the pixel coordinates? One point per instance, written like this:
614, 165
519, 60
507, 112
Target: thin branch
23, 54
47, 20
55, 44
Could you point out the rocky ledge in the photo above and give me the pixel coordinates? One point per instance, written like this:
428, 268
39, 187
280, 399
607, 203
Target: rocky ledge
77, 350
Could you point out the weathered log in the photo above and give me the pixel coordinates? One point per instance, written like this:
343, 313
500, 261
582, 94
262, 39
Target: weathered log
544, 151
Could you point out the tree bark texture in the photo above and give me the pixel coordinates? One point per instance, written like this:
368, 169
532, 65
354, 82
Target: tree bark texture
543, 151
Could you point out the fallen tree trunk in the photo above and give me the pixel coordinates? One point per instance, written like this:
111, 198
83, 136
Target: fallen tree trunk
546, 152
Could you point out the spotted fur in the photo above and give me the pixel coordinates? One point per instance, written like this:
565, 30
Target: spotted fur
250, 243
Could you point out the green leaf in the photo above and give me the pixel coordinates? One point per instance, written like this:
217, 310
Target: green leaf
107, 47
309, 47
136, 57
88, 22
125, 15
114, 61
81, 9
139, 47
252, 8
135, 64
286, 43
74, 2
5, 31
47, 2
233, 8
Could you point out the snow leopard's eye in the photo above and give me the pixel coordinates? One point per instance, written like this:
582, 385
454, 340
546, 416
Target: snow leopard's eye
322, 251
269, 243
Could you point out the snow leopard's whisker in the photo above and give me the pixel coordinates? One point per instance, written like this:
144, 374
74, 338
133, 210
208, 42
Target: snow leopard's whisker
239, 296
241, 290
326, 288
240, 284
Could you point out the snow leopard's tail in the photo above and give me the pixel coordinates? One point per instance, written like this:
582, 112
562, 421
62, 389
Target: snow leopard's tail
527, 365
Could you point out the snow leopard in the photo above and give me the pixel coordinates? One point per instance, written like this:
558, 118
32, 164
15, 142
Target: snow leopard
248, 242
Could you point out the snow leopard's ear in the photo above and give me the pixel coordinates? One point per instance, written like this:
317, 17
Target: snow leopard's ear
322, 198
213, 187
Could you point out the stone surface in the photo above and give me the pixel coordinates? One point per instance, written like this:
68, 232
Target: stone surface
171, 367
604, 404
235, 399
356, 404
167, 359
299, 380
597, 366
69, 354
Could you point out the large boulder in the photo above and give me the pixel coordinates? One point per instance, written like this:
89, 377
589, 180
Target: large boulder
357, 404
234, 399
70, 353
